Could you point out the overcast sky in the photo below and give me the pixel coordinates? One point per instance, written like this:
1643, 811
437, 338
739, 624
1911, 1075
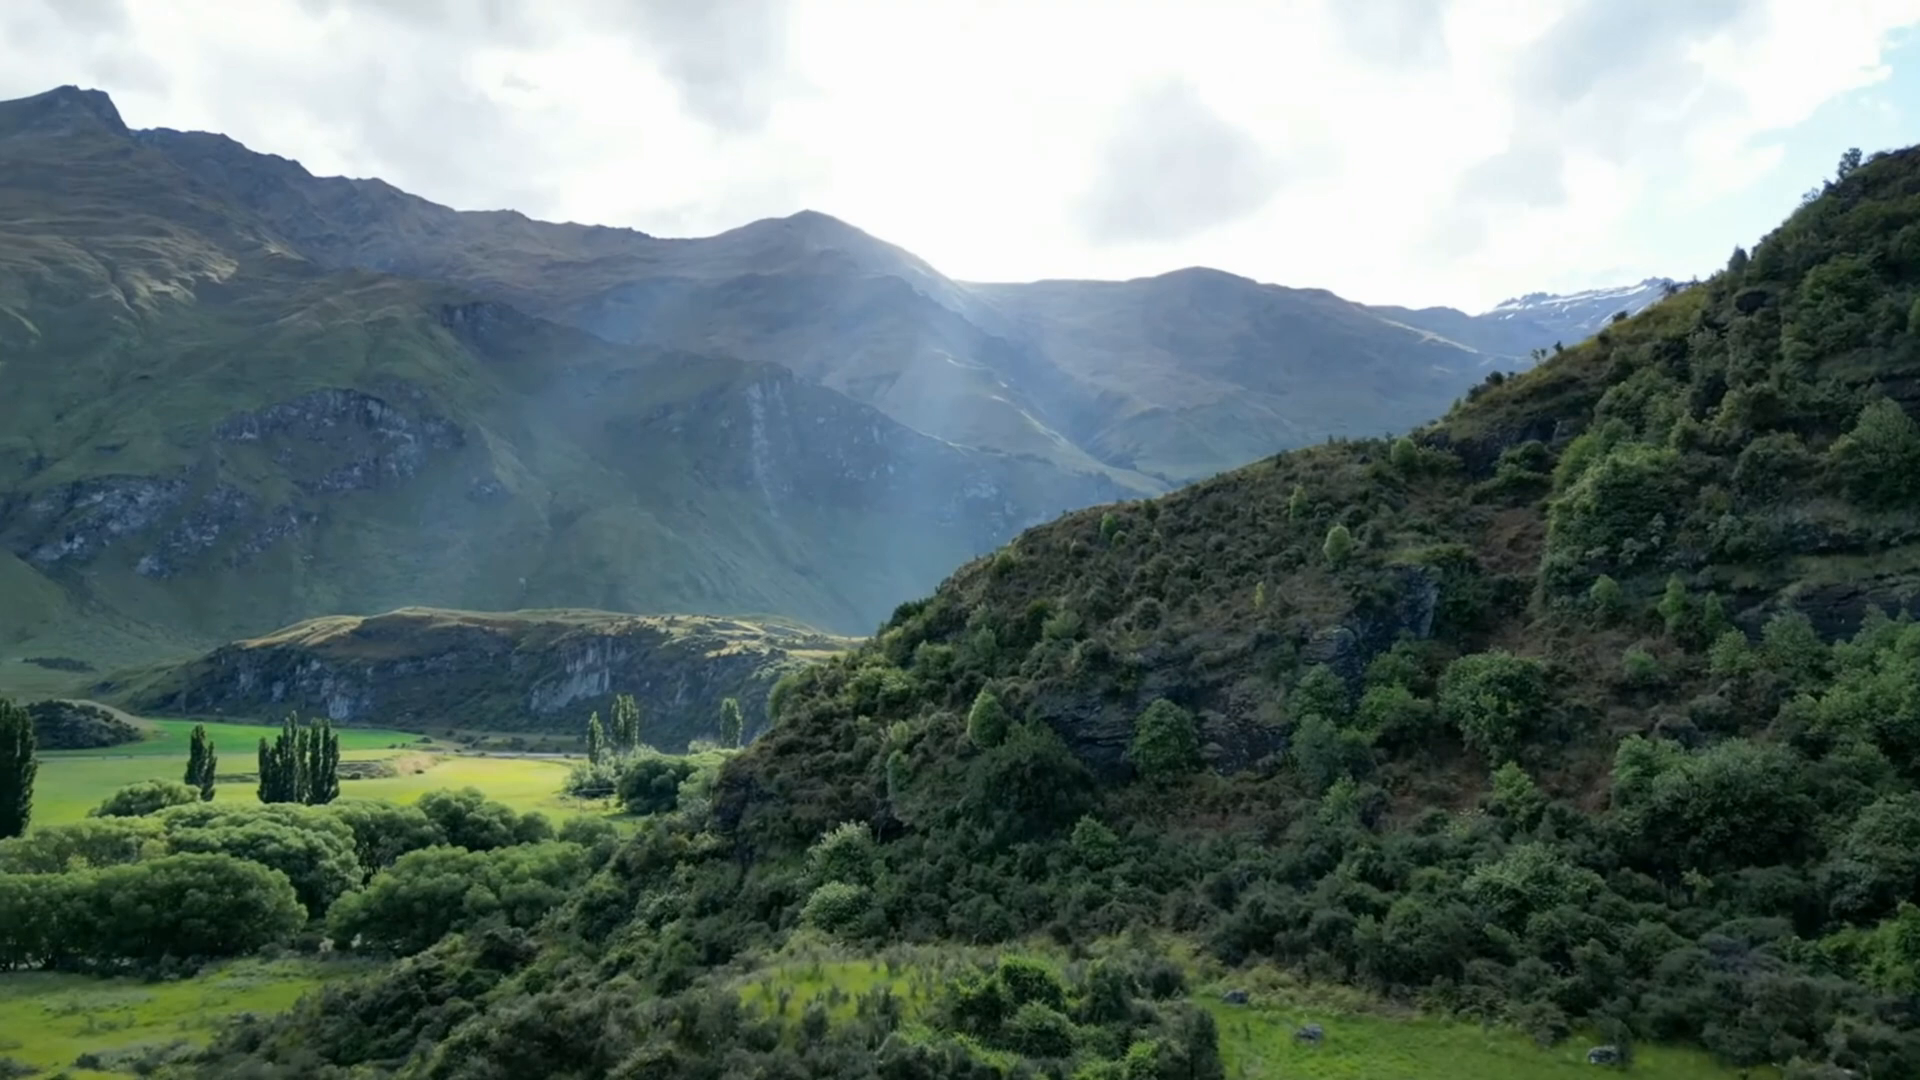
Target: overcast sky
1395, 151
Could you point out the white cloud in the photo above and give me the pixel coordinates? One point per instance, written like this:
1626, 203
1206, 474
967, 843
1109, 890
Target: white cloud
1411, 151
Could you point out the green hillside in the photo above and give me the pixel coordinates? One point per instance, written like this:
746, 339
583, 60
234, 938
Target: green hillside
1589, 712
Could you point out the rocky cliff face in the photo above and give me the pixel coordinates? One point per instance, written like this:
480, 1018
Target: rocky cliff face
526, 671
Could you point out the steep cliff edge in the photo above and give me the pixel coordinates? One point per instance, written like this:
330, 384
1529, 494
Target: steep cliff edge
515, 671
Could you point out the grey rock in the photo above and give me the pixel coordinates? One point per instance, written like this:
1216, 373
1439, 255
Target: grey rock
1235, 997
1604, 1055
1311, 1033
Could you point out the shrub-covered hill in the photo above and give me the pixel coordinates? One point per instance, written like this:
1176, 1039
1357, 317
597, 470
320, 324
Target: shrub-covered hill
1648, 606
1595, 706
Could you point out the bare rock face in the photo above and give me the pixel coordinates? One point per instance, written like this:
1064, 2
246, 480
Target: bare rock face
329, 442
424, 669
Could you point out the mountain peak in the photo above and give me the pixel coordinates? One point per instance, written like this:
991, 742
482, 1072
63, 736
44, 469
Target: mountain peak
64, 110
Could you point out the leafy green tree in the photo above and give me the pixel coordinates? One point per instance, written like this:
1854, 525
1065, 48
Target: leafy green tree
1325, 753
185, 905
650, 783
626, 724
317, 855
1879, 460
836, 905
596, 739
987, 720
1607, 599
1516, 797
1030, 785
82, 844
1736, 803
202, 762
1338, 546
1677, 611
428, 894
1166, 742
1639, 667
1297, 506
1319, 693
845, 853
18, 767
1260, 596
468, 819
1494, 699
1404, 454
145, 797
732, 723
1395, 714
382, 831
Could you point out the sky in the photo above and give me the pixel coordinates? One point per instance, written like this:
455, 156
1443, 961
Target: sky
1411, 152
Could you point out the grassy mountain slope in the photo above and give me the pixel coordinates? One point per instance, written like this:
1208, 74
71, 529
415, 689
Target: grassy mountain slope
1135, 380
514, 671
1592, 706
203, 433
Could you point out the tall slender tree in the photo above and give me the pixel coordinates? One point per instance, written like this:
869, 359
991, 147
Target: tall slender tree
201, 762
18, 765
732, 724
302, 765
323, 786
269, 774
626, 724
596, 739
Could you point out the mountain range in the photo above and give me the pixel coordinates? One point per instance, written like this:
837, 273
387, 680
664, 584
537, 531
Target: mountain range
234, 395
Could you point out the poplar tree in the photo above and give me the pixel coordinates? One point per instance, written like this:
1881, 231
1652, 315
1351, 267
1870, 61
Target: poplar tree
202, 762
596, 739
18, 765
732, 724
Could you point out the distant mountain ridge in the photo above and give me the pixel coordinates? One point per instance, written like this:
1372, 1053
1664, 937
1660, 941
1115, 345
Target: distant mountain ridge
234, 395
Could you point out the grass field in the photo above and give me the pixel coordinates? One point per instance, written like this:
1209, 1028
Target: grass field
71, 782
1363, 1041
236, 742
49, 1019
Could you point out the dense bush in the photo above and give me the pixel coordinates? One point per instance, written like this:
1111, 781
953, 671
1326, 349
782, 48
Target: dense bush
145, 797
186, 907
426, 895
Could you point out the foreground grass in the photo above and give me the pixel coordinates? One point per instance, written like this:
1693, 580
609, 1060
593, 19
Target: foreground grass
48, 1019
1365, 1040
1256, 1042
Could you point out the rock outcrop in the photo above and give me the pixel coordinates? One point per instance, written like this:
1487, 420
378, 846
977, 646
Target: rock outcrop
435, 670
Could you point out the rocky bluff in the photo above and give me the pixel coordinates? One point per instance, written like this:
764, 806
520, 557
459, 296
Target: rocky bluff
533, 671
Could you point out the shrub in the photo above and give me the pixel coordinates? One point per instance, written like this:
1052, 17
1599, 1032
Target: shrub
1879, 460
1494, 699
1039, 1031
844, 854
835, 906
1606, 598
145, 797
650, 784
1166, 743
1338, 546
1639, 667
986, 721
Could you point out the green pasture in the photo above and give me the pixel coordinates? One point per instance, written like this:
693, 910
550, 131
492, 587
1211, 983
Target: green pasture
49, 1019
71, 782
